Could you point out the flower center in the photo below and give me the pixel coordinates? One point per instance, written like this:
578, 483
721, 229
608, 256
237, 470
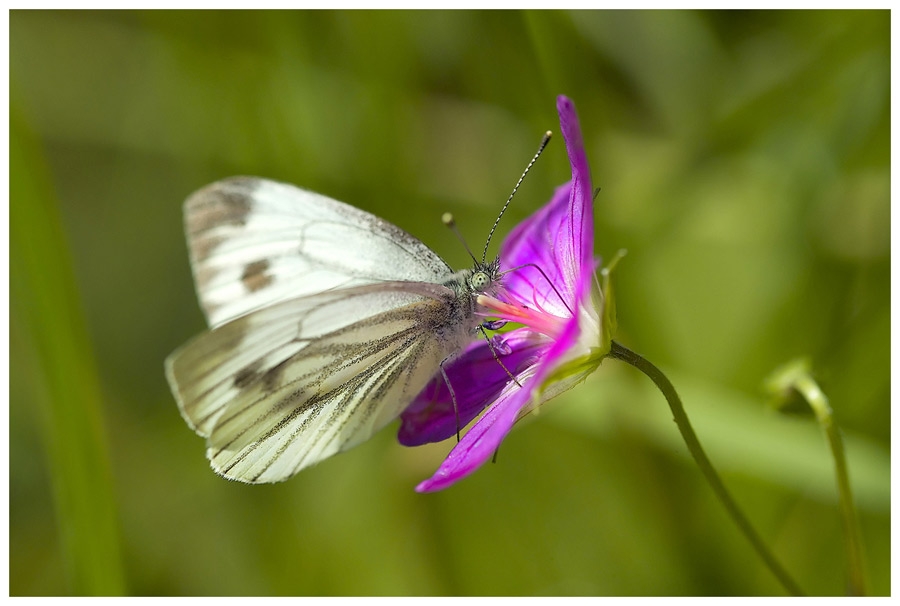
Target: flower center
536, 319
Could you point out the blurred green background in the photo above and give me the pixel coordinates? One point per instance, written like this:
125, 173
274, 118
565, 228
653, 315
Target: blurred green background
744, 163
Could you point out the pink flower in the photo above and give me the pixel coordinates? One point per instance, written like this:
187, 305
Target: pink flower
565, 328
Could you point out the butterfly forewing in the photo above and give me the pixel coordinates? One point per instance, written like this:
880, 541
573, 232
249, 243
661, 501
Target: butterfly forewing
254, 242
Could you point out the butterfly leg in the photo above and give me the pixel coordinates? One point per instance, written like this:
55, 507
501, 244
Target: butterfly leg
494, 325
453, 398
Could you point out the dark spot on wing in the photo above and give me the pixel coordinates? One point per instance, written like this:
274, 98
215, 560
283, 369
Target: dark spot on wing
246, 376
255, 277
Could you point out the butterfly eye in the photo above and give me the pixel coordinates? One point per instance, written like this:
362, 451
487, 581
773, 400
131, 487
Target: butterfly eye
480, 280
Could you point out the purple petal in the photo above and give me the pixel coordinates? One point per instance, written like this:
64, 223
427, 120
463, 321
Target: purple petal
558, 238
480, 442
580, 242
477, 379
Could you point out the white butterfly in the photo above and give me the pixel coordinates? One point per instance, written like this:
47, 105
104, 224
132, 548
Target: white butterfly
325, 323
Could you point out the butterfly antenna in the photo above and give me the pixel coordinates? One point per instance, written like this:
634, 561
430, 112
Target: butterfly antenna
544, 143
450, 222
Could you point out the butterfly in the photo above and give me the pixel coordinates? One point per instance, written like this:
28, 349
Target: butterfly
325, 322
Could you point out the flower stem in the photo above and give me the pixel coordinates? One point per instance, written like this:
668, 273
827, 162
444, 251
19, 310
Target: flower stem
797, 378
665, 386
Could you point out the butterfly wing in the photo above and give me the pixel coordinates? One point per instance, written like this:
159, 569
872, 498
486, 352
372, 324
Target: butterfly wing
287, 385
254, 242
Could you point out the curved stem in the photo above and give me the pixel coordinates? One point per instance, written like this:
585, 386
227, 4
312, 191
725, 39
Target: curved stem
796, 379
684, 426
819, 404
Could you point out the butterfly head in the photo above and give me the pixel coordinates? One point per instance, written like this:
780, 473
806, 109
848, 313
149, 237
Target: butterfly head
484, 275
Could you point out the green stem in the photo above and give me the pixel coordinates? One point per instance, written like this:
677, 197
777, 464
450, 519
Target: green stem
807, 387
665, 386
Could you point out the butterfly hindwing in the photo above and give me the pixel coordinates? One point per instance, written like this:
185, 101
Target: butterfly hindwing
285, 386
